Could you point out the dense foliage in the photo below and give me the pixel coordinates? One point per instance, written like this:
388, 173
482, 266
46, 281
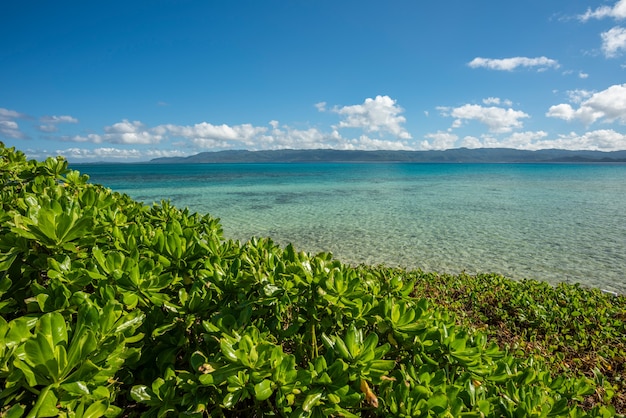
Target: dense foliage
112, 308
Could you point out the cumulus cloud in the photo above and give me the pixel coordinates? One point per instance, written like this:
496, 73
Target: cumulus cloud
510, 64
126, 132
50, 122
613, 41
281, 137
94, 138
321, 106
380, 114
598, 140
471, 142
519, 140
497, 101
617, 11
609, 105
7, 114
439, 141
364, 142
497, 119
58, 119
491, 101
205, 134
9, 128
109, 153
578, 95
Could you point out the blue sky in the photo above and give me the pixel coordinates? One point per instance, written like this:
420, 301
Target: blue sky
135, 80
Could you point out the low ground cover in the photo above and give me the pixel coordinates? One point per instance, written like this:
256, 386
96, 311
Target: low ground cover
113, 308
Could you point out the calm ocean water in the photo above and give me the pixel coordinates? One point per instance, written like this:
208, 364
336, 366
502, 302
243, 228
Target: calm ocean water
552, 222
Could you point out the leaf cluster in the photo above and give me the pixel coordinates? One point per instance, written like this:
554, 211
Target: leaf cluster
113, 308
578, 330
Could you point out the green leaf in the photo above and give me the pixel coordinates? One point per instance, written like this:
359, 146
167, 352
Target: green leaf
96, 410
232, 398
46, 405
263, 390
41, 357
438, 403
311, 401
16, 411
341, 349
129, 321
76, 388
141, 393
354, 340
52, 325
81, 347
6, 260
228, 351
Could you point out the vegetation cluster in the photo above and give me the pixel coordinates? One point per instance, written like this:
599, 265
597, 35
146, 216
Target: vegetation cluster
113, 308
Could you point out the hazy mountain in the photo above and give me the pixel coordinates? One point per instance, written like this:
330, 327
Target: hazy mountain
458, 155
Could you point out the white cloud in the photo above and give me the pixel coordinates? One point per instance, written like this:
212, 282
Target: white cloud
510, 64
497, 119
609, 104
9, 128
567, 112
281, 137
135, 132
7, 114
58, 119
471, 142
107, 153
366, 143
522, 140
94, 138
578, 96
380, 114
439, 141
100, 153
491, 101
497, 101
517, 140
599, 140
618, 12
583, 75
50, 122
206, 133
321, 106
123, 132
48, 128
613, 41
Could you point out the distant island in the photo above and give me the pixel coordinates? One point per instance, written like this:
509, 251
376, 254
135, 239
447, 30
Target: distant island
457, 155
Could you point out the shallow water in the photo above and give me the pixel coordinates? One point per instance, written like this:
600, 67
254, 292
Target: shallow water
552, 222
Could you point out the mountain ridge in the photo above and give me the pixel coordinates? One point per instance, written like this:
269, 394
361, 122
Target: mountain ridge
456, 155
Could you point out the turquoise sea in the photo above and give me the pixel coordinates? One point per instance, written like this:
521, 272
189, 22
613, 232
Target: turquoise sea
551, 222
